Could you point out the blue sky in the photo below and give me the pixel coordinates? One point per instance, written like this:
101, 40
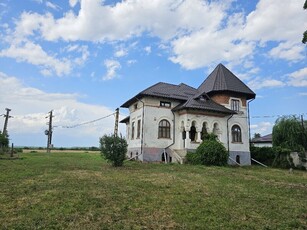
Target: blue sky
84, 58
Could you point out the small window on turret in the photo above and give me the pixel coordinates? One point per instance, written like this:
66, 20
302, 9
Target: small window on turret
235, 105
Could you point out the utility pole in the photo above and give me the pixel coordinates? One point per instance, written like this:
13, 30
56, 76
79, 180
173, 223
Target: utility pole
116, 122
49, 131
7, 116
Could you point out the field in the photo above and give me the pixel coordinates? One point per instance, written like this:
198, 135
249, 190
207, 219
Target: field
81, 191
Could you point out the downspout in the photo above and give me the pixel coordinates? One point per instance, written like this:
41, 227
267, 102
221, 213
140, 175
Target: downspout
249, 122
143, 118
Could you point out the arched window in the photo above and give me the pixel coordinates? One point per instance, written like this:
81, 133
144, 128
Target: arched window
236, 133
193, 131
164, 129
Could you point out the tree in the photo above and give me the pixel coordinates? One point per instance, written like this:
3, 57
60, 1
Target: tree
305, 33
114, 149
4, 141
257, 135
289, 133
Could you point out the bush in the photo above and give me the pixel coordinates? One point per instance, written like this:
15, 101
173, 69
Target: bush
209, 152
114, 149
265, 155
193, 158
4, 142
282, 159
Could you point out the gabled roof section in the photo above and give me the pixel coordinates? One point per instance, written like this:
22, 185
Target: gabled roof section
203, 103
164, 90
223, 80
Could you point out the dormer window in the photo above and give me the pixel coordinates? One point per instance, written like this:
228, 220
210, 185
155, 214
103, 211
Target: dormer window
165, 104
235, 105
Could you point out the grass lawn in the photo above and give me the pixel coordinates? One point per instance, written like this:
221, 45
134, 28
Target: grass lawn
81, 191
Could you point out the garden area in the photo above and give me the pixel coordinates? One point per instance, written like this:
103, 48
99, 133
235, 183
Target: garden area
80, 190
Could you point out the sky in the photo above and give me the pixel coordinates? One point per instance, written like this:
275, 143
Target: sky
85, 58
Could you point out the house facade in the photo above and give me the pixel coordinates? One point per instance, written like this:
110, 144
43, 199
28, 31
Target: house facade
166, 121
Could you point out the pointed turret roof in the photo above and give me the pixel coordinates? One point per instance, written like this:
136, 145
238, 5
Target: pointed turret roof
222, 80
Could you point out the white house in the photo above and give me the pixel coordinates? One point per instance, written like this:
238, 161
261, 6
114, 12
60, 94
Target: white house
166, 121
265, 141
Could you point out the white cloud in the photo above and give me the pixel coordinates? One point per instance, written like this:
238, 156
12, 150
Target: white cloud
112, 67
121, 52
303, 94
30, 107
52, 6
73, 3
260, 83
131, 62
288, 51
262, 127
199, 33
34, 54
298, 78
272, 21
147, 50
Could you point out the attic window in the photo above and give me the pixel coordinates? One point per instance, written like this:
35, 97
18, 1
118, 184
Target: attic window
235, 105
165, 104
202, 98
135, 106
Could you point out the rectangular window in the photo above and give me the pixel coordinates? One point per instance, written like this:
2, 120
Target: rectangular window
138, 129
132, 130
165, 104
235, 105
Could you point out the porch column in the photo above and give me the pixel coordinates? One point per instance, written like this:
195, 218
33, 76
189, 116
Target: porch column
187, 138
198, 133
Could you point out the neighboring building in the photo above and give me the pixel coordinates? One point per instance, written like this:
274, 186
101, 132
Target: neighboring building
265, 141
166, 121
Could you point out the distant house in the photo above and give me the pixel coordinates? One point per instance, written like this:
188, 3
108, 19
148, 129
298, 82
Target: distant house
265, 141
166, 121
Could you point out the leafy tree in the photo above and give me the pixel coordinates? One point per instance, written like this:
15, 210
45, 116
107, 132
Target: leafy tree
114, 149
257, 135
4, 141
288, 133
305, 33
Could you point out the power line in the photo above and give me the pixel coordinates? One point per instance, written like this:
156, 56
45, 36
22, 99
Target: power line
83, 123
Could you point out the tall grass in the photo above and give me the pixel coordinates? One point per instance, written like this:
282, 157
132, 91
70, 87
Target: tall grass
82, 191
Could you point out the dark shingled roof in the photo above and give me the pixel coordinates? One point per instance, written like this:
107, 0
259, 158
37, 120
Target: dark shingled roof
164, 90
264, 139
125, 120
203, 104
222, 79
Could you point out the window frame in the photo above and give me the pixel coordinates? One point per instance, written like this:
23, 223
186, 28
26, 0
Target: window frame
164, 129
132, 130
236, 134
165, 104
235, 105
138, 129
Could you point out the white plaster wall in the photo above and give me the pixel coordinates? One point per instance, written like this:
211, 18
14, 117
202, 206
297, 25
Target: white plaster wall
154, 113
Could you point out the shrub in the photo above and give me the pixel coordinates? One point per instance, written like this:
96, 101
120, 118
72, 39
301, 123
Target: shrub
265, 155
282, 159
212, 152
209, 152
114, 149
4, 142
193, 159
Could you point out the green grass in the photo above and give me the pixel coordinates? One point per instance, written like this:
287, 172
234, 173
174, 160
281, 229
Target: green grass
82, 191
